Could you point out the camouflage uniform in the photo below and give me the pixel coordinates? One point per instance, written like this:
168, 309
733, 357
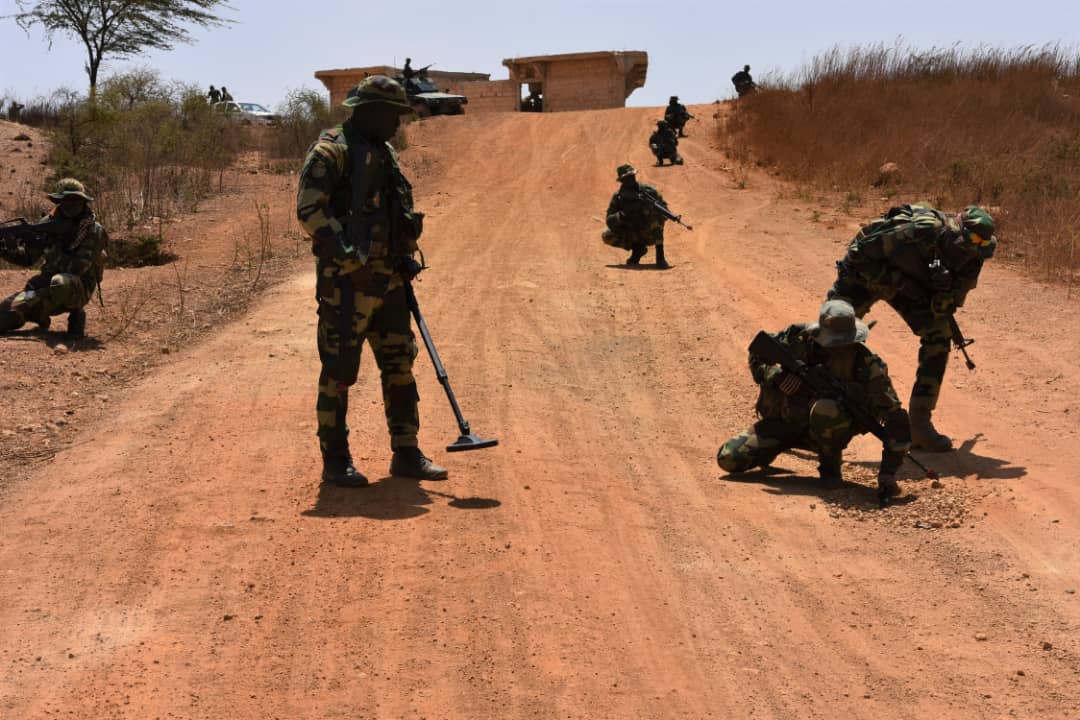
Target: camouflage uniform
632, 224
676, 115
792, 416
664, 144
72, 268
357, 206
892, 259
213, 96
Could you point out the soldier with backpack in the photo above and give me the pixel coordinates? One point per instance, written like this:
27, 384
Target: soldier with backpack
923, 262
664, 144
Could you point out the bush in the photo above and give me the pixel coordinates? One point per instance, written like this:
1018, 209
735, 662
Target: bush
994, 127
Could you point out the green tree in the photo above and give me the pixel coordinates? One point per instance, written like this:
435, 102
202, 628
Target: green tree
119, 28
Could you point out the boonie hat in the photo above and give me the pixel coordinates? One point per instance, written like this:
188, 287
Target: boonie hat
624, 171
69, 187
837, 325
378, 89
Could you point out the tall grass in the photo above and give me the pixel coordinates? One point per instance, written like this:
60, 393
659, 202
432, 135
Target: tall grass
988, 126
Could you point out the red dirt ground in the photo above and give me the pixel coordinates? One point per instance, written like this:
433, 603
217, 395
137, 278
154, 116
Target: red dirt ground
181, 560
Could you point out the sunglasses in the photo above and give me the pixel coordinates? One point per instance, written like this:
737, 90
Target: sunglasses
977, 240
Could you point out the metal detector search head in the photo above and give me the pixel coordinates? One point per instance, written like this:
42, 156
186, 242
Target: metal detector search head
470, 442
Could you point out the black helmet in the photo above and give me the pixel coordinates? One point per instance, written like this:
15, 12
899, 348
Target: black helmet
746, 68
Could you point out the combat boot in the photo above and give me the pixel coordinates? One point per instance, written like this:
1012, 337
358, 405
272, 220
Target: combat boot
76, 327
338, 469
636, 254
409, 462
677, 160
924, 435
829, 471
10, 320
661, 262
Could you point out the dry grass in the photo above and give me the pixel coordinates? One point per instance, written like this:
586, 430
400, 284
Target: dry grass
998, 128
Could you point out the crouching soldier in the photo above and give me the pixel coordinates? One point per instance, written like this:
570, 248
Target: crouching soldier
792, 415
71, 247
633, 221
664, 144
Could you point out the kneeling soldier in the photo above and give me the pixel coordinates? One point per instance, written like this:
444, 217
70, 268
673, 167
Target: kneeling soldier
793, 416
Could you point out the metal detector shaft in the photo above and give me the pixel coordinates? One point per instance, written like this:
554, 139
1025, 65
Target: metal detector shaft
440, 371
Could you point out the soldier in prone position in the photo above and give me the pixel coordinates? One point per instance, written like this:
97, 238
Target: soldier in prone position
664, 144
633, 223
792, 415
74, 263
924, 263
357, 206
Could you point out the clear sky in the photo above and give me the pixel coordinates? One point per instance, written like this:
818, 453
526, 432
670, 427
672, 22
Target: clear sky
694, 46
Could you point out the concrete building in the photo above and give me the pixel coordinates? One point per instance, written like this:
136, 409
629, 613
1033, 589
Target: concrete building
573, 81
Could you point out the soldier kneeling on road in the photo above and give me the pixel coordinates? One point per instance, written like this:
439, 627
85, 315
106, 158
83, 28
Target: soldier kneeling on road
677, 115
664, 144
633, 220
794, 415
71, 244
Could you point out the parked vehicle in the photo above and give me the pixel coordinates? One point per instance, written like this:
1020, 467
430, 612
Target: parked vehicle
246, 113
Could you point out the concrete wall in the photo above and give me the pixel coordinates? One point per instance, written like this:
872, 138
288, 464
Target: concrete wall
491, 96
583, 85
339, 82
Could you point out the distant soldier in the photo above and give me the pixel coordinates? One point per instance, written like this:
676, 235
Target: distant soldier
792, 415
214, 96
677, 115
664, 144
742, 81
15, 111
226, 96
357, 207
72, 267
633, 223
407, 72
922, 262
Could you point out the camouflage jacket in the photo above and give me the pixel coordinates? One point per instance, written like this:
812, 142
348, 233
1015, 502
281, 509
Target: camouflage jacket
631, 216
676, 113
80, 251
862, 375
664, 141
893, 254
354, 202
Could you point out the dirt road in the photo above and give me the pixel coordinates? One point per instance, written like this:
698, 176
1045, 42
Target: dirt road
182, 561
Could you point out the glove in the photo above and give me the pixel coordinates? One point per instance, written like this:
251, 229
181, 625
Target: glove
943, 303
410, 268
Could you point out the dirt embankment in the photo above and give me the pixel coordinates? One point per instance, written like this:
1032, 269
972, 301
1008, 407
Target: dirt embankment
183, 561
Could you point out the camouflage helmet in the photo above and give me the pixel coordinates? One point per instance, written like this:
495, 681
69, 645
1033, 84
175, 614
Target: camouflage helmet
837, 325
624, 171
674, 99
978, 223
69, 187
378, 89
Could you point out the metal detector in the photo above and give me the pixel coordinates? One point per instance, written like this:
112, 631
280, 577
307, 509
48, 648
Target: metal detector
467, 441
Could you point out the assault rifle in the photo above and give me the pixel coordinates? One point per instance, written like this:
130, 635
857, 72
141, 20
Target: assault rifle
941, 279
22, 231
771, 350
662, 209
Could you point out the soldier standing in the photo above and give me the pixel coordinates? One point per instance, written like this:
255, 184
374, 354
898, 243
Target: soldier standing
922, 262
74, 262
357, 206
664, 144
633, 223
677, 115
213, 96
793, 416
225, 95
407, 71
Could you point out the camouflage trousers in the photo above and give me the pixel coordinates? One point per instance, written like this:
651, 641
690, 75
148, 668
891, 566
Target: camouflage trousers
827, 431
629, 241
935, 338
368, 305
43, 297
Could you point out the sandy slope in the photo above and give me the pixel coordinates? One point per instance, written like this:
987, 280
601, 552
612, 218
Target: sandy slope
183, 561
